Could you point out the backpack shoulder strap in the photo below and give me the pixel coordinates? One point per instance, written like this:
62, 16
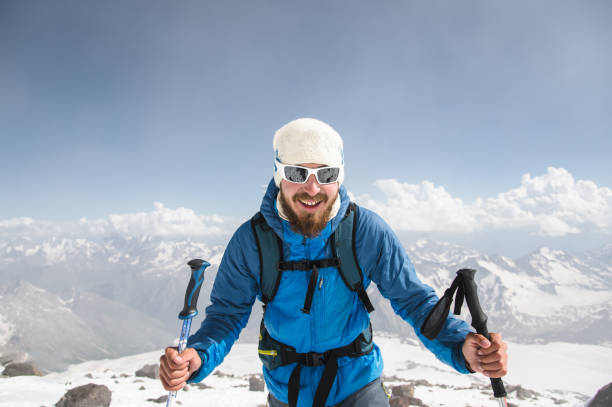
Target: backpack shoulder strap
270, 249
343, 247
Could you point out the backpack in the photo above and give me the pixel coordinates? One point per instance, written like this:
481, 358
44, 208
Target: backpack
272, 264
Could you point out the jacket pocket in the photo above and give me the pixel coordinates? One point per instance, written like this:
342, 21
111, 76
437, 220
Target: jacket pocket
269, 350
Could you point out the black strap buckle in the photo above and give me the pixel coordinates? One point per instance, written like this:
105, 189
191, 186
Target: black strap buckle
315, 359
356, 346
294, 265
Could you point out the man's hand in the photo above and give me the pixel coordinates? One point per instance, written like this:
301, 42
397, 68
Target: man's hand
175, 369
488, 358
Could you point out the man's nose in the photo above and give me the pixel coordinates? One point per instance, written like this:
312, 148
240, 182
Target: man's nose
312, 187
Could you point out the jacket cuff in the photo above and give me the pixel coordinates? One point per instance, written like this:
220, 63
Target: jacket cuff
460, 363
198, 375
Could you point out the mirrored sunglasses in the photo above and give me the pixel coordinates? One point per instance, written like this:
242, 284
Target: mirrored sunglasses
299, 175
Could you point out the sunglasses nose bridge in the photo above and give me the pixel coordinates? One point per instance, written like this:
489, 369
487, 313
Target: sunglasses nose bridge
311, 186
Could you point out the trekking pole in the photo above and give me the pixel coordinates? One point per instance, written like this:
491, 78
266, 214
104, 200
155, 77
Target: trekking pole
466, 287
189, 310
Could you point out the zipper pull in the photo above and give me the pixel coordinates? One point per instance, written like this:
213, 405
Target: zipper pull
320, 283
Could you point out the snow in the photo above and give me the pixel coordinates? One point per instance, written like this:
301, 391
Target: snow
547, 291
32, 251
552, 267
6, 330
556, 371
576, 296
560, 365
55, 254
165, 254
119, 376
554, 368
525, 296
508, 261
535, 302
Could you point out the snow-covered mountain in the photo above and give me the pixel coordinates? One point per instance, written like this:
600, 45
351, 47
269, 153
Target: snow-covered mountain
544, 296
55, 332
68, 300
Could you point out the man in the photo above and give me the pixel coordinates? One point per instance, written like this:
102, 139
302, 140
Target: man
315, 341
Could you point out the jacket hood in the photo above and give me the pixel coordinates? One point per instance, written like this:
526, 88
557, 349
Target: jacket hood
268, 208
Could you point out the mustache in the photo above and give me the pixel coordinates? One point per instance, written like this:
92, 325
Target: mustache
304, 196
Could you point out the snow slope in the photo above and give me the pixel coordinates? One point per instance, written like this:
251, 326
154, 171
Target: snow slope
556, 373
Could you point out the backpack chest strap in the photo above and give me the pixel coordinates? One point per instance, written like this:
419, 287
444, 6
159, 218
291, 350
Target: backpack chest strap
313, 265
307, 264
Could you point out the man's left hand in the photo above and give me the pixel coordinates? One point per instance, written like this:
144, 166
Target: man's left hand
487, 357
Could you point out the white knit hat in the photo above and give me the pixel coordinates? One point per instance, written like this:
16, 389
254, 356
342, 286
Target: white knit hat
307, 140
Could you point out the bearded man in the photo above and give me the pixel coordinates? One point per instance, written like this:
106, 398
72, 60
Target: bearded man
309, 255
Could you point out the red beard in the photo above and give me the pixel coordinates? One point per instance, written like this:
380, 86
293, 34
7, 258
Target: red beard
310, 224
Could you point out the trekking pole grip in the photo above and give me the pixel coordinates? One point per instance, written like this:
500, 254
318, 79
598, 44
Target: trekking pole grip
193, 288
479, 319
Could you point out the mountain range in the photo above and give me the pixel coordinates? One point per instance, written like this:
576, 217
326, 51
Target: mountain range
69, 300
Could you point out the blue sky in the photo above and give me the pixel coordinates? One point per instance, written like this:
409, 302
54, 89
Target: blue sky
107, 107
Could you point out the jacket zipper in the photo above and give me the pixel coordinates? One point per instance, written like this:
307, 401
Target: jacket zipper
311, 320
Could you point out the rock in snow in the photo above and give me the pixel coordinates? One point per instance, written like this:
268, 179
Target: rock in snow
88, 395
21, 369
150, 371
403, 396
159, 400
603, 398
256, 383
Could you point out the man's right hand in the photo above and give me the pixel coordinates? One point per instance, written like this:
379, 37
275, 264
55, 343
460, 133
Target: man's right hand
175, 368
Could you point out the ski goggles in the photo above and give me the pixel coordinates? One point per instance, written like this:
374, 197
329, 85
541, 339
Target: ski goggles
299, 175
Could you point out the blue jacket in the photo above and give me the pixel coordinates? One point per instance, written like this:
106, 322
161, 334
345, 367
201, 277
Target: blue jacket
337, 316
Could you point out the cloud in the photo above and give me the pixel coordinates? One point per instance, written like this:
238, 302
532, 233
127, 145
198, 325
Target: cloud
160, 222
167, 222
30, 227
421, 207
553, 204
